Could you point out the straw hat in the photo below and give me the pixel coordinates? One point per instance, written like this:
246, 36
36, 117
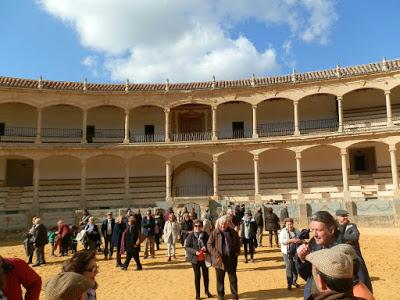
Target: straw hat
67, 286
332, 262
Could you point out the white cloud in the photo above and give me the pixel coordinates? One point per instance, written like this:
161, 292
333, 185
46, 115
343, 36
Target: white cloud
151, 40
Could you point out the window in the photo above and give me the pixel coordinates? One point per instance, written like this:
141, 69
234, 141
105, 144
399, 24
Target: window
362, 160
90, 131
149, 132
238, 129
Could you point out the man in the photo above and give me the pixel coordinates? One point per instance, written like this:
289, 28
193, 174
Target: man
15, 272
284, 214
148, 225
39, 240
333, 274
107, 229
260, 226
224, 246
159, 227
349, 234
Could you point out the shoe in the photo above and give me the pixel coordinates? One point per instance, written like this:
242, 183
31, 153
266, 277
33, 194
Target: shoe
118, 265
169, 258
246, 261
138, 268
209, 295
296, 285
289, 287
36, 265
110, 257
29, 262
105, 257
123, 268
145, 256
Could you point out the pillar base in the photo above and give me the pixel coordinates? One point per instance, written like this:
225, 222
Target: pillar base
258, 199
255, 136
396, 195
303, 215
83, 141
296, 133
167, 140
214, 137
126, 141
38, 141
346, 196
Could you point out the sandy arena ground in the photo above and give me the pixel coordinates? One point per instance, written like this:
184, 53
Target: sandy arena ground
264, 279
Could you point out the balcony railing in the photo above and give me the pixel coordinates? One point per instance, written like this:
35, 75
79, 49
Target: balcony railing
192, 190
321, 125
18, 134
61, 133
148, 138
236, 134
275, 129
190, 136
364, 125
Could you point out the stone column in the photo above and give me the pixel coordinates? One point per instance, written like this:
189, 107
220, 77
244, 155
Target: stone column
36, 180
299, 177
256, 177
214, 129
296, 117
82, 202
340, 112
302, 205
84, 126
345, 175
166, 110
126, 183
168, 180
389, 121
215, 177
126, 128
395, 174
39, 126
255, 134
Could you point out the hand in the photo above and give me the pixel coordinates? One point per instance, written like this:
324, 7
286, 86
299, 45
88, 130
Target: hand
302, 252
198, 252
204, 249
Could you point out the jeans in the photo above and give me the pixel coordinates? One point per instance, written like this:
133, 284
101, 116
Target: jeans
170, 249
248, 245
149, 243
270, 237
291, 271
39, 252
201, 265
108, 246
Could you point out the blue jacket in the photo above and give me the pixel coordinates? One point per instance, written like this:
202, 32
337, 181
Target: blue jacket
148, 226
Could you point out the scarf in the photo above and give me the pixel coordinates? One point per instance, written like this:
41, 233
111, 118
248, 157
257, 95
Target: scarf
199, 236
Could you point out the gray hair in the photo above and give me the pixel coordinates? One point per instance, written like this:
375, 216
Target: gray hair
223, 219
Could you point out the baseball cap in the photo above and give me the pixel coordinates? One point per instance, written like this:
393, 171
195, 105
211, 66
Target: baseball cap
67, 286
342, 212
332, 262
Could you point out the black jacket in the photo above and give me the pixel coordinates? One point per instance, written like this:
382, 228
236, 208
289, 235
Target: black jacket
104, 226
39, 237
252, 230
192, 245
271, 221
259, 220
148, 226
131, 237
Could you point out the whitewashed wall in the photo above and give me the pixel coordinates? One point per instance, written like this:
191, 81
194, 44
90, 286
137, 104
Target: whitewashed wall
106, 117
321, 158
147, 165
317, 107
277, 160
236, 162
234, 112
149, 115
18, 115
62, 116
364, 98
60, 167
105, 166
275, 110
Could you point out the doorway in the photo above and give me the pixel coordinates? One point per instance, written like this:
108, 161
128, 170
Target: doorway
19, 172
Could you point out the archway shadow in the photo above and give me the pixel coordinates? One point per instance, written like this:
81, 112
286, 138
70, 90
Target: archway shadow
264, 268
279, 293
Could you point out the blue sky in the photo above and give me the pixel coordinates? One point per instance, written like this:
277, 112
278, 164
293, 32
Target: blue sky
151, 40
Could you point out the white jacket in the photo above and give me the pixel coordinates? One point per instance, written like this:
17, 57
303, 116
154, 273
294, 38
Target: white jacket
284, 236
171, 228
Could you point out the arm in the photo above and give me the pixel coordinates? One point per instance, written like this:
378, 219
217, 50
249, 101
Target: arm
211, 245
351, 233
304, 269
189, 245
28, 278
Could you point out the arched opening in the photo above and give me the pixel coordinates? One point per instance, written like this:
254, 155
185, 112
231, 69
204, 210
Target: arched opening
318, 113
278, 179
322, 172
234, 120
236, 174
105, 124
192, 179
190, 122
275, 117
17, 122
395, 102
147, 124
60, 184
370, 170
62, 123
364, 109
147, 179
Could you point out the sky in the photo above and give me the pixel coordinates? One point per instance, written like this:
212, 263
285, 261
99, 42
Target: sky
191, 40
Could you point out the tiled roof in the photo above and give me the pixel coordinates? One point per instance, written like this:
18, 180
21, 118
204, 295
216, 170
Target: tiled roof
336, 73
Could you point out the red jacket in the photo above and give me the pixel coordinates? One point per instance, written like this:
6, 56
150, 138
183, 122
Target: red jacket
63, 231
19, 273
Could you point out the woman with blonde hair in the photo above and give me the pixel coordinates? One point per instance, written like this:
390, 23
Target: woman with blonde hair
171, 234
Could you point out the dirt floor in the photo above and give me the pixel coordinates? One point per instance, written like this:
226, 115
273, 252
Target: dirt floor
264, 279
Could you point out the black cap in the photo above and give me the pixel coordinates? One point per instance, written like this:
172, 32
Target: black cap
342, 212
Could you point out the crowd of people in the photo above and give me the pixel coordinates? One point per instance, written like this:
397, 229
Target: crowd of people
330, 262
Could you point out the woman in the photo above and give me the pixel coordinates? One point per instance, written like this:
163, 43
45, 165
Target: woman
288, 238
131, 244
84, 263
248, 234
171, 233
186, 227
272, 225
196, 252
92, 234
119, 228
325, 235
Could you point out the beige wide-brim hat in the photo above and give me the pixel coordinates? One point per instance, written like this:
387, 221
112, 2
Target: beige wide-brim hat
346, 249
332, 262
67, 286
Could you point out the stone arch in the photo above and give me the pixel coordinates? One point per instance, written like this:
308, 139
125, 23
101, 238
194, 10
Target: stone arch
147, 123
18, 114
234, 119
62, 117
60, 166
191, 101
275, 116
395, 101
